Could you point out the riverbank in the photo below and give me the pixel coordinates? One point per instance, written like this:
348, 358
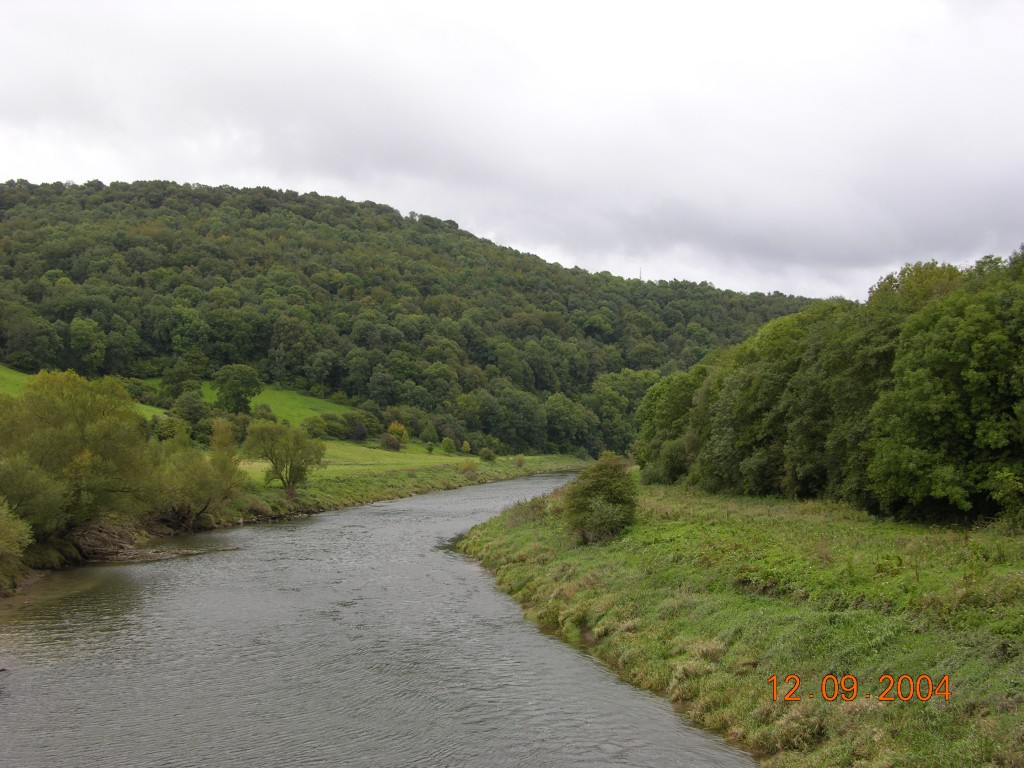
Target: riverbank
352, 474
707, 598
355, 474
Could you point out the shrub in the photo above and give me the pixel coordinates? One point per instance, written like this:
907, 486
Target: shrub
262, 411
315, 426
389, 442
448, 445
291, 452
486, 454
601, 502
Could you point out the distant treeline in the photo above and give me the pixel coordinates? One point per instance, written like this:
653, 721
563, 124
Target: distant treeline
344, 299
911, 404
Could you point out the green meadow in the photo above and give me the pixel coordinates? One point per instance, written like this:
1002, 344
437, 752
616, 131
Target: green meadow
708, 598
361, 473
288, 405
11, 381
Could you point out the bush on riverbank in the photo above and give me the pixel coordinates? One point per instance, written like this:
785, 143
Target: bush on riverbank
705, 598
601, 502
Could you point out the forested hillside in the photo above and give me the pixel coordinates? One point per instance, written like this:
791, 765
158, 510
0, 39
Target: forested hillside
343, 299
911, 404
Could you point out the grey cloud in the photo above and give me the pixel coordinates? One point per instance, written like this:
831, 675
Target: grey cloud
761, 156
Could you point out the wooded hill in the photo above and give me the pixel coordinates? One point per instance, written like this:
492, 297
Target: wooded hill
350, 300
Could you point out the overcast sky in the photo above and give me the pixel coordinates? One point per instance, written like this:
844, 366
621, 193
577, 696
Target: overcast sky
807, 147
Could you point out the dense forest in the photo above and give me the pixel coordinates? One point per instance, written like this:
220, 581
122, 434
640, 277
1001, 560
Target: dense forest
910, 404
347, 300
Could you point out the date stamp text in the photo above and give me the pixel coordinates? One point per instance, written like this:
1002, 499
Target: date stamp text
848, 688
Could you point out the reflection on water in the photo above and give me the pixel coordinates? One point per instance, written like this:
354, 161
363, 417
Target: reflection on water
350, 638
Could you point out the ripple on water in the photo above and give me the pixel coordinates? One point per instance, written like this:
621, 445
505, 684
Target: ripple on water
345, 639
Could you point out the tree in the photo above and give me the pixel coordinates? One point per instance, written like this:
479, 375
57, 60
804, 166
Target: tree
948, 439
291, 452
88, 345
194, 486
15, 534
601, 502
72, 452
236, 385
568, 423
190, 407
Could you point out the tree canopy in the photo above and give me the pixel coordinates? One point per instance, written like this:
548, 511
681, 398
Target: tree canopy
353, 300
236, 386
911, 404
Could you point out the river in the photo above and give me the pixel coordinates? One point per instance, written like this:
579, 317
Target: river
351, 638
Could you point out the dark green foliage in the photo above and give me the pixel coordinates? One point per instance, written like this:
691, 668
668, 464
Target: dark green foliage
264, 412
486, 454
949, 434
190, 407
911, 404
344, 299
389, 442
601, 502
236, 385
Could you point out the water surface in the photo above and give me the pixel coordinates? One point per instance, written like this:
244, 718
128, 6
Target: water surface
352, 638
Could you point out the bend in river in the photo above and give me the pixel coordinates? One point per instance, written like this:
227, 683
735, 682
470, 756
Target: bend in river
352, 638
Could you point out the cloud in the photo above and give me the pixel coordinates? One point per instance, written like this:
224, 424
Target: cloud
785, 146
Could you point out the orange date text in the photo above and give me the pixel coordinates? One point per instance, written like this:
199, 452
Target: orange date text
848, 688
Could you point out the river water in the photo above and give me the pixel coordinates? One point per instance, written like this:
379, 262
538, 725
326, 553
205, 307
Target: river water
352, 638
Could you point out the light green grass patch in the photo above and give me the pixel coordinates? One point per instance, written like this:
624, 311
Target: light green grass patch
11, 381
288, 405
707, 597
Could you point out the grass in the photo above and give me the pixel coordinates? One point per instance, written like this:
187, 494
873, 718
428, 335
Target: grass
11, 381
288, 405
361, 473
707, 597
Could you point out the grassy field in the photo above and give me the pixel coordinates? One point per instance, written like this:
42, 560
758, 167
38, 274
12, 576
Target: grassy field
358, 474
11, 381
706, 598
287, 404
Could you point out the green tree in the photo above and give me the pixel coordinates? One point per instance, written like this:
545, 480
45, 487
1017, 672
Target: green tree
569, 424
291, 452
601, 502
88, 346
948, 433
236, 386
190, 407
193, 487
15, 534
72, 452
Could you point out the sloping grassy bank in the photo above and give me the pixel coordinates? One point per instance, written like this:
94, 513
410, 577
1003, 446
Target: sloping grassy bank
358, 474
707, 597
